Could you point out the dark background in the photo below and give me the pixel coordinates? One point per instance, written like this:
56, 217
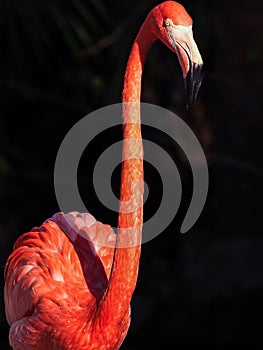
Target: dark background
62, 60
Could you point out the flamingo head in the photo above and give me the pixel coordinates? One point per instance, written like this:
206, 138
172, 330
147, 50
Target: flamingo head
173, 26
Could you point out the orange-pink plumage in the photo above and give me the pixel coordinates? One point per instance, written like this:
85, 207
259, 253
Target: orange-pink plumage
62, 289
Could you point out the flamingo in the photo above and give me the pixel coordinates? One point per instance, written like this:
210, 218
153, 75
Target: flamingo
62, 290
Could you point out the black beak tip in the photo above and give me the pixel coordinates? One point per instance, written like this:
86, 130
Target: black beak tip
193, 82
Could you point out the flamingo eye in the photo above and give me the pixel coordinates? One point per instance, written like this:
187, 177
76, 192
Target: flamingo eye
167, 22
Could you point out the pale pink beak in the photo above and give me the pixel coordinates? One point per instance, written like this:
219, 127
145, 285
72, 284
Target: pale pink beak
182, 42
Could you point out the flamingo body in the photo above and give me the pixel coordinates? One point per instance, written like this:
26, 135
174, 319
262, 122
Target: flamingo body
56, 284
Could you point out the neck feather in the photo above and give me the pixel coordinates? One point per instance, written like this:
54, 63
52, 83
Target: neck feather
133, 74
131, 192
124, 273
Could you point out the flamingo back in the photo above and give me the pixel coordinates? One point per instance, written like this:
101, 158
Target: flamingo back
55, 270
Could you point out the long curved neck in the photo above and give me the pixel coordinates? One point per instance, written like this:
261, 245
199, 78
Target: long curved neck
131, 192
133, 74
127, 253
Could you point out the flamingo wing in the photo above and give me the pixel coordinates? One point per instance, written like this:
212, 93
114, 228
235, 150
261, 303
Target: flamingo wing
52, 270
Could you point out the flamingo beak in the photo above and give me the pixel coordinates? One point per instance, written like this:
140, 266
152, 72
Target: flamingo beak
193, 81
183, 44
192, 64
